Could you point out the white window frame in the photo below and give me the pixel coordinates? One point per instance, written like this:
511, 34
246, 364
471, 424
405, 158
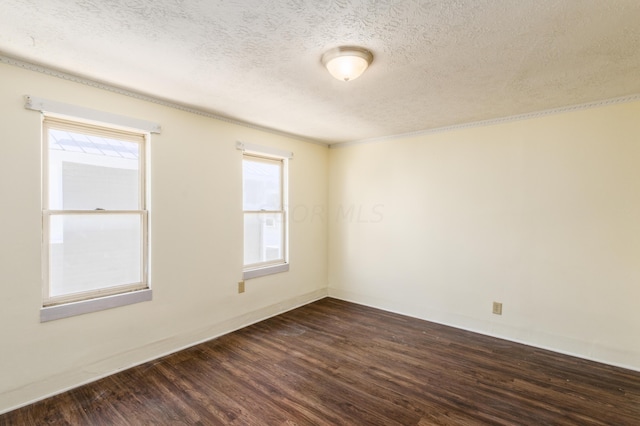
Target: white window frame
270, 154
80, 303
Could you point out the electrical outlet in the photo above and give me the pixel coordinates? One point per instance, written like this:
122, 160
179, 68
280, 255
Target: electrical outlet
240, 286
497, 308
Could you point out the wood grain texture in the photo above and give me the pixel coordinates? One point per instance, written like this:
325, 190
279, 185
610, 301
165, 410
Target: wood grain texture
338, 363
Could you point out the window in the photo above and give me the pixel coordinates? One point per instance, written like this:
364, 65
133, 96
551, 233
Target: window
265, 216
94, 217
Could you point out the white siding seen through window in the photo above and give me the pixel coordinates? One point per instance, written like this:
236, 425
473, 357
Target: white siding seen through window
94, 212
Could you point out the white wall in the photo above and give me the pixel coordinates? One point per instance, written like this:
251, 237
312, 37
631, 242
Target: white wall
196, 243
542, 215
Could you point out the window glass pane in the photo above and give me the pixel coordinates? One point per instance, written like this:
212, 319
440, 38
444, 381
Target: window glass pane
263, 238
262, 184
88, 172
94, 251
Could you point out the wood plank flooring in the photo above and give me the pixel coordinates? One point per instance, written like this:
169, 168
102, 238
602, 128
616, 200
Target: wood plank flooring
337, 363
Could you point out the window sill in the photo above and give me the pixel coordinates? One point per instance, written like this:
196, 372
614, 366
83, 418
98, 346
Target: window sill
267, 270
66, 310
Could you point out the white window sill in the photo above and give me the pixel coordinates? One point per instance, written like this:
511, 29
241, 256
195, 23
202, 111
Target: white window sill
51, 313
267, 270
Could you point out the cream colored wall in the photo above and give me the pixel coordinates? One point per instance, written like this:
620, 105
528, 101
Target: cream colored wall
542, 215
196, 243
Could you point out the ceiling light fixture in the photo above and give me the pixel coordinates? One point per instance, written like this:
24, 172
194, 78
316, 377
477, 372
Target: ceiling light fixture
347, 63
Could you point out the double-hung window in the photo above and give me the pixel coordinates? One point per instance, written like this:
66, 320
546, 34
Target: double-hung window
94, 217
264, 186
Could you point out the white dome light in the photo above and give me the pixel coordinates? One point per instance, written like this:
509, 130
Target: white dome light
347, 63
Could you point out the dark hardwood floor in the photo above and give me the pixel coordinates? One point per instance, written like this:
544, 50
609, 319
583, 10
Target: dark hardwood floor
337, 363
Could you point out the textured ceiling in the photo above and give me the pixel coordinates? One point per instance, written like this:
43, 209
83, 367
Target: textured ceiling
437, 63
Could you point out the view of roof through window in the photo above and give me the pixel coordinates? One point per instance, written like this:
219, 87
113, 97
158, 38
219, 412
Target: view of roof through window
97, 145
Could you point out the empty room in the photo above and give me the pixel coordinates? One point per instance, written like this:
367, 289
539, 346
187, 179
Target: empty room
335, 212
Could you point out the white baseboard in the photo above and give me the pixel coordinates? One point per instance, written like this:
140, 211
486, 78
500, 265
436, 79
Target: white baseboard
560, 344
68, 380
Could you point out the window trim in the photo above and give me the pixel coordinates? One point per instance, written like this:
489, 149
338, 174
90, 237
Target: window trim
50, 313
64, 306
248, 274
270, 154
281, 211
82, 114
48, 301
